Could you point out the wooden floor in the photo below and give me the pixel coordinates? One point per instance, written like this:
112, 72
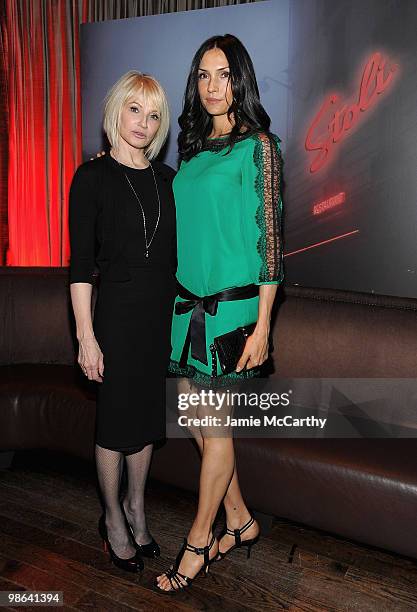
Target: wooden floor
49, 541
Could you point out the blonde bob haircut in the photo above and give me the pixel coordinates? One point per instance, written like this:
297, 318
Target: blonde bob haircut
154, 96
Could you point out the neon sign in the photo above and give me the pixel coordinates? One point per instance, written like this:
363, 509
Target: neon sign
377, 77
319, 208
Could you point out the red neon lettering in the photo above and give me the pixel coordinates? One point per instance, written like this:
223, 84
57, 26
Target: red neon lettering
374, 81
319, 208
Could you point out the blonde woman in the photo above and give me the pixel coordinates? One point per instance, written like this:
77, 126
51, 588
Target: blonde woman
123, 202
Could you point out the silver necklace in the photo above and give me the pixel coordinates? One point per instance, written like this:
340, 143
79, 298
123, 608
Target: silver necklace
147, 244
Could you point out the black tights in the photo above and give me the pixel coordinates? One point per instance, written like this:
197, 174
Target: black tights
110, 463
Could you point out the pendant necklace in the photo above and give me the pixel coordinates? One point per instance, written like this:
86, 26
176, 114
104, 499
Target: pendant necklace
147, 244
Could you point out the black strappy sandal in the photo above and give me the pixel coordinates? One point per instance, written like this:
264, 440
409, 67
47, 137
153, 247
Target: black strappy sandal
174, 575
238, 541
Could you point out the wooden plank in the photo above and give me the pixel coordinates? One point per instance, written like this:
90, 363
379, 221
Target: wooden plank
280, 593
201, 596
117, 588
294, 568
392, 591
229, 582
32, 578
8, 585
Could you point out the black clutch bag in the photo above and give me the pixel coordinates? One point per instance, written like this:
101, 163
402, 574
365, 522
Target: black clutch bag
228, 348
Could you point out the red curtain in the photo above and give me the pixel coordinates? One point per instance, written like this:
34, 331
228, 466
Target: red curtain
40, 109
42, 66
4, 136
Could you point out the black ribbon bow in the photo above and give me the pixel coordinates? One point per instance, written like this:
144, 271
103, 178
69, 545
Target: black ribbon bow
196, 334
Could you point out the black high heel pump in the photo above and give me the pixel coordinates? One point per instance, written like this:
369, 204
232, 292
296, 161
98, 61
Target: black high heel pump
150, 550
133, 564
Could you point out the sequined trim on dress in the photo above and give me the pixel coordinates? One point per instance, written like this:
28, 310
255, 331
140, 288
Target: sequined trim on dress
268, 160
206, 380
217, 144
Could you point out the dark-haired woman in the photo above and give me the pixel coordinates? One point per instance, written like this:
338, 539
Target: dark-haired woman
229, 208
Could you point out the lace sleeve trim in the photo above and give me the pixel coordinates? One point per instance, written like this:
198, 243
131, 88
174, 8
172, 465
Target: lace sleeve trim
268, 160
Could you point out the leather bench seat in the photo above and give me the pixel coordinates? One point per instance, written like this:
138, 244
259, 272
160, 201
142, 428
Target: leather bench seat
46, 406
363, 489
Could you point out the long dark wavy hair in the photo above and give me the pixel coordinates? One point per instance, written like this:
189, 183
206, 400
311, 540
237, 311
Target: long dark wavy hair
196, 123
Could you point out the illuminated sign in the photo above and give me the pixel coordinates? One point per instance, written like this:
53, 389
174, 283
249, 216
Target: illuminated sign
376, 78
329, 203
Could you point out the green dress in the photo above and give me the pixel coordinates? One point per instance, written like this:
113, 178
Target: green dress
229, 212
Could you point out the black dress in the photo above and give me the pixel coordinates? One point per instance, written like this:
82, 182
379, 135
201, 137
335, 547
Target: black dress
132, 318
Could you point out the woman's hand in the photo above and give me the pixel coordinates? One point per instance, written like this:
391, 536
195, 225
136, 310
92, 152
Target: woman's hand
91, 359
256, 349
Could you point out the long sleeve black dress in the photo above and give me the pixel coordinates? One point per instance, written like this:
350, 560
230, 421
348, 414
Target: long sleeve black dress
132, 318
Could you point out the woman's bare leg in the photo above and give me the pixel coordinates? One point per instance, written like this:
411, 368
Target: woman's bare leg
217, 468
216, 472
237, 513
